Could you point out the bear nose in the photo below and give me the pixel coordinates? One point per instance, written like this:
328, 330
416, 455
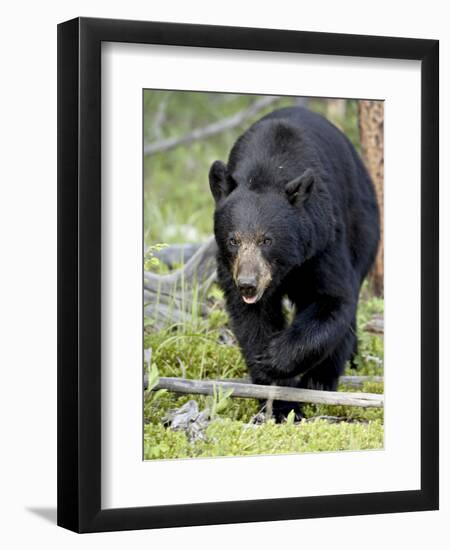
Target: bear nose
247, 285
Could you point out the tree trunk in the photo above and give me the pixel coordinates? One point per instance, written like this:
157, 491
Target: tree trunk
371, 130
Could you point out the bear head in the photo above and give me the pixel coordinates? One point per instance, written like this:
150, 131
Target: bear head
263, 231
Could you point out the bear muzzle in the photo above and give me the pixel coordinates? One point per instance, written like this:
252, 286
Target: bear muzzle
251, 274
248, 287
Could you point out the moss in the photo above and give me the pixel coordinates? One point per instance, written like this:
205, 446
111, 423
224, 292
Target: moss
226, 437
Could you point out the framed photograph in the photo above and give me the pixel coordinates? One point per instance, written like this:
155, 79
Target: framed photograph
247, 275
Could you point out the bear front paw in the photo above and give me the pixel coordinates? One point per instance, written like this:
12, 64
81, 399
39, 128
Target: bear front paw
276, 361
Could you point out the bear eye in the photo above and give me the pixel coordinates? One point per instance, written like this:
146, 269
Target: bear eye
233, 242
267, 241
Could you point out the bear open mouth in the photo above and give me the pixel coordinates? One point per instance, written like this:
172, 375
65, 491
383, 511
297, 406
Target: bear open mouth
251, 299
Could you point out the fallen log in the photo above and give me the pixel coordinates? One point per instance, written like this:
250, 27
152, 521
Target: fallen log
352, 381
375, 325
176, 253
359, 381
170, 298
200, 267
284, 393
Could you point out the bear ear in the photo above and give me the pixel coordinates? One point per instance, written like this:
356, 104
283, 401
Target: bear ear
299, 189
220, 182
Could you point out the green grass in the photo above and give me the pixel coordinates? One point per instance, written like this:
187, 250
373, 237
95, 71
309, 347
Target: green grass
227, 437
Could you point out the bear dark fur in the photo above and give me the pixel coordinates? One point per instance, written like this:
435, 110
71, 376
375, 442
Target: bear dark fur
296, 216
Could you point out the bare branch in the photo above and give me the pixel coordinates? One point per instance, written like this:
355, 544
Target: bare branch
210, 130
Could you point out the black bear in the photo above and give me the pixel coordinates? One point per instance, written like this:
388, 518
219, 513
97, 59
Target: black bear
296, 216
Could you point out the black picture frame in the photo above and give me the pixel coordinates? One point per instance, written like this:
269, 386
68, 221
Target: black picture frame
79, 274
